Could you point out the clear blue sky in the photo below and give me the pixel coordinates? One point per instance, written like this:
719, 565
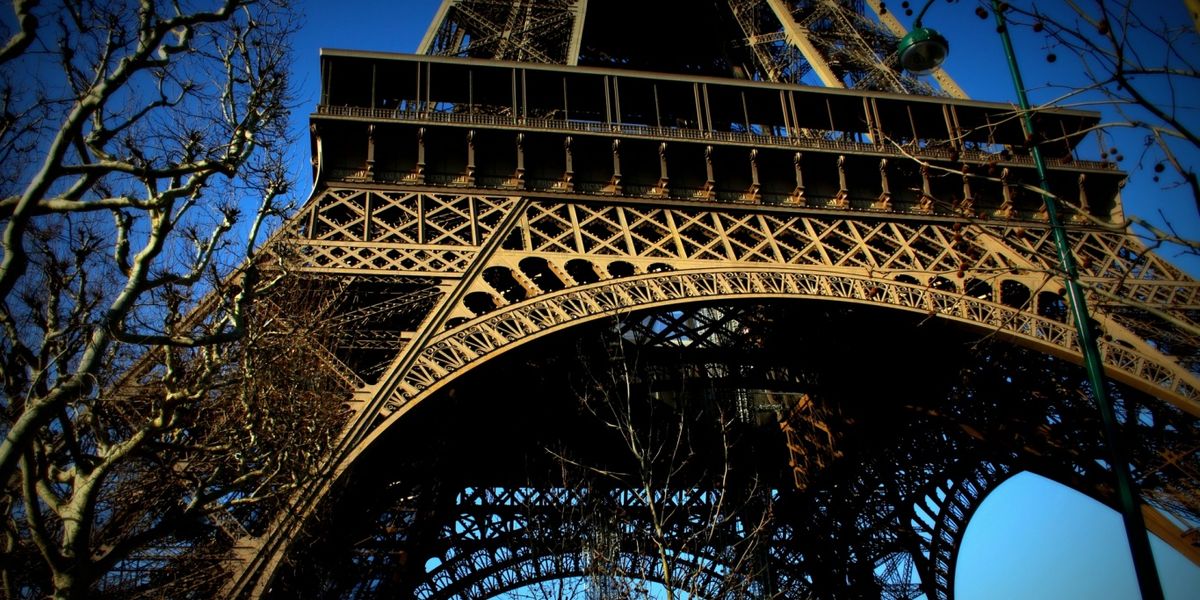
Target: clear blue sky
1032, 539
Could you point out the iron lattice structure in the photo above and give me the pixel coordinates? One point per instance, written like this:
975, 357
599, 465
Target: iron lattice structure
831, 318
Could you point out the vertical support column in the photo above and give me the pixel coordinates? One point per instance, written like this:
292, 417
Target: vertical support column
614, 184
951, 129
608, 118
616, 95
515, 107
421, 237
662, 188
657, 109
326, 79
518, 178
789, 127
925, 204
842, 199
566, 101
708, 122
524, 114
1082, 215
370, 166
418, 174
797, 196
872, 122
568, 179
752, 194
884, 202
967, 206
469, 176
710, 183
366, 231
1007, 207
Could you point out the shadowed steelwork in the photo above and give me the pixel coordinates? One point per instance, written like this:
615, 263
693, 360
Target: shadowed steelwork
623, 302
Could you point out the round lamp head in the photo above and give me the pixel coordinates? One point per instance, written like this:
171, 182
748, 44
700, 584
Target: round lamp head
922, 50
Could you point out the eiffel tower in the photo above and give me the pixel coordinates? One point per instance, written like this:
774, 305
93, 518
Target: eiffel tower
743, 311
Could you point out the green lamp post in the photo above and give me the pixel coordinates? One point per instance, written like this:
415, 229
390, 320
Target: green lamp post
924, 50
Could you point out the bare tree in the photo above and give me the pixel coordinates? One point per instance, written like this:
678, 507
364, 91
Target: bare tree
1140, 70
143, 145
670, 504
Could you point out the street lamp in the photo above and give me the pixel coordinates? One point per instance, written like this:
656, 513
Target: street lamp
924, 50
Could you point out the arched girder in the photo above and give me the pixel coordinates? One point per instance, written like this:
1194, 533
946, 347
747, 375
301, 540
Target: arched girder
492, 335
523, 570
940, 533
958, 519
533, 534
452, 352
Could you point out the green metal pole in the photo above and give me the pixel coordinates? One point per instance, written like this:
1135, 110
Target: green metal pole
1128, 495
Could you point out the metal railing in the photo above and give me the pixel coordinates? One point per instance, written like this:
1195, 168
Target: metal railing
818, 141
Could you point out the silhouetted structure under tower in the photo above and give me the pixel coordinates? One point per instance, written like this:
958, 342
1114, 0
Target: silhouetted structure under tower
622, 301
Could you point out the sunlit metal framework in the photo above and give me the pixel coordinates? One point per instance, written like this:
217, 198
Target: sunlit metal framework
863, 277
833, 43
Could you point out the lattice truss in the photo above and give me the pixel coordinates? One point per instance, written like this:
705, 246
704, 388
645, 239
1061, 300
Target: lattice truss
529, 31
784, 41
436, 289
856, 526
992, 275
432, 285
836, 38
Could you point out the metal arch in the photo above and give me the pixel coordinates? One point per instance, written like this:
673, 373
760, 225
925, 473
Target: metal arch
478, 571
539, 316
940, 533
837, 274
455, 351
524, 570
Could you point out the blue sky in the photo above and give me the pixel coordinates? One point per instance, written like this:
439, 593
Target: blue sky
1031, 539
